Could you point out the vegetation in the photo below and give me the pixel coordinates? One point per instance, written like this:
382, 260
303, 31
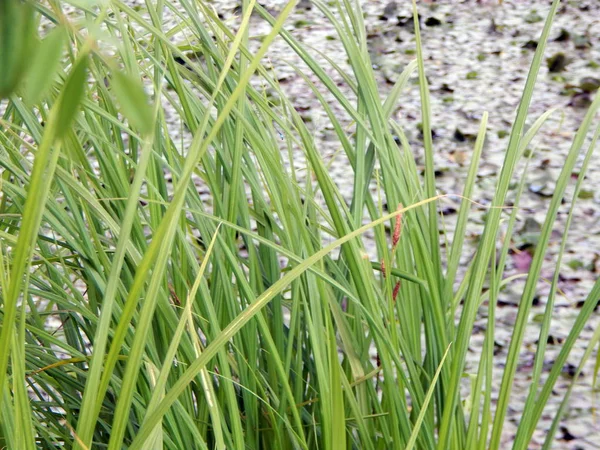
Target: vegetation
137, 314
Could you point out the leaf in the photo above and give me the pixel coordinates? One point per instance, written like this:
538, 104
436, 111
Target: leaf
133, 101
586, 194
71, 96
533, 17
46, 60
589, 84
424, 407
86, 4
16, 37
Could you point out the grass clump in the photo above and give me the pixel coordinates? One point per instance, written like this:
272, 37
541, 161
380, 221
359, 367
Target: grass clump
138, 313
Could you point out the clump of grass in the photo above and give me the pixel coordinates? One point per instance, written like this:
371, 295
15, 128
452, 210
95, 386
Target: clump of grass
137, 314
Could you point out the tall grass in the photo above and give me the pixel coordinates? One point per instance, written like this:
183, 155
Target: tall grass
138, 314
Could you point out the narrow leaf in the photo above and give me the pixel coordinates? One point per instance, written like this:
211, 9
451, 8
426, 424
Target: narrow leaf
133, 101
71, 96
45, 63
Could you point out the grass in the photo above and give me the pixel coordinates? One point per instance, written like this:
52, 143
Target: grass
138, 314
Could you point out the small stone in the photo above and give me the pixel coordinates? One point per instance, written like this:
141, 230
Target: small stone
433, 22
581, 41
459, 135
304, 4
389, 11
494, 28
581, 100
563, 36
557, 62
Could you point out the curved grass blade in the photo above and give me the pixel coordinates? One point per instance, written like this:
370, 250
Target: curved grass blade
245, 317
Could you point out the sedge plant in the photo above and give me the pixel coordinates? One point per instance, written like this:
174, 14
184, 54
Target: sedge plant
138, 313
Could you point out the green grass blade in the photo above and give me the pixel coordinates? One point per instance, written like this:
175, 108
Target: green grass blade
430, 391
246, 315
534, 271
488, 240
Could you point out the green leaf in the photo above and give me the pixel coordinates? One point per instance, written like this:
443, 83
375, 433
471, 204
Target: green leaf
71, 96
415, 434
133, 101
16, 37
46, 60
